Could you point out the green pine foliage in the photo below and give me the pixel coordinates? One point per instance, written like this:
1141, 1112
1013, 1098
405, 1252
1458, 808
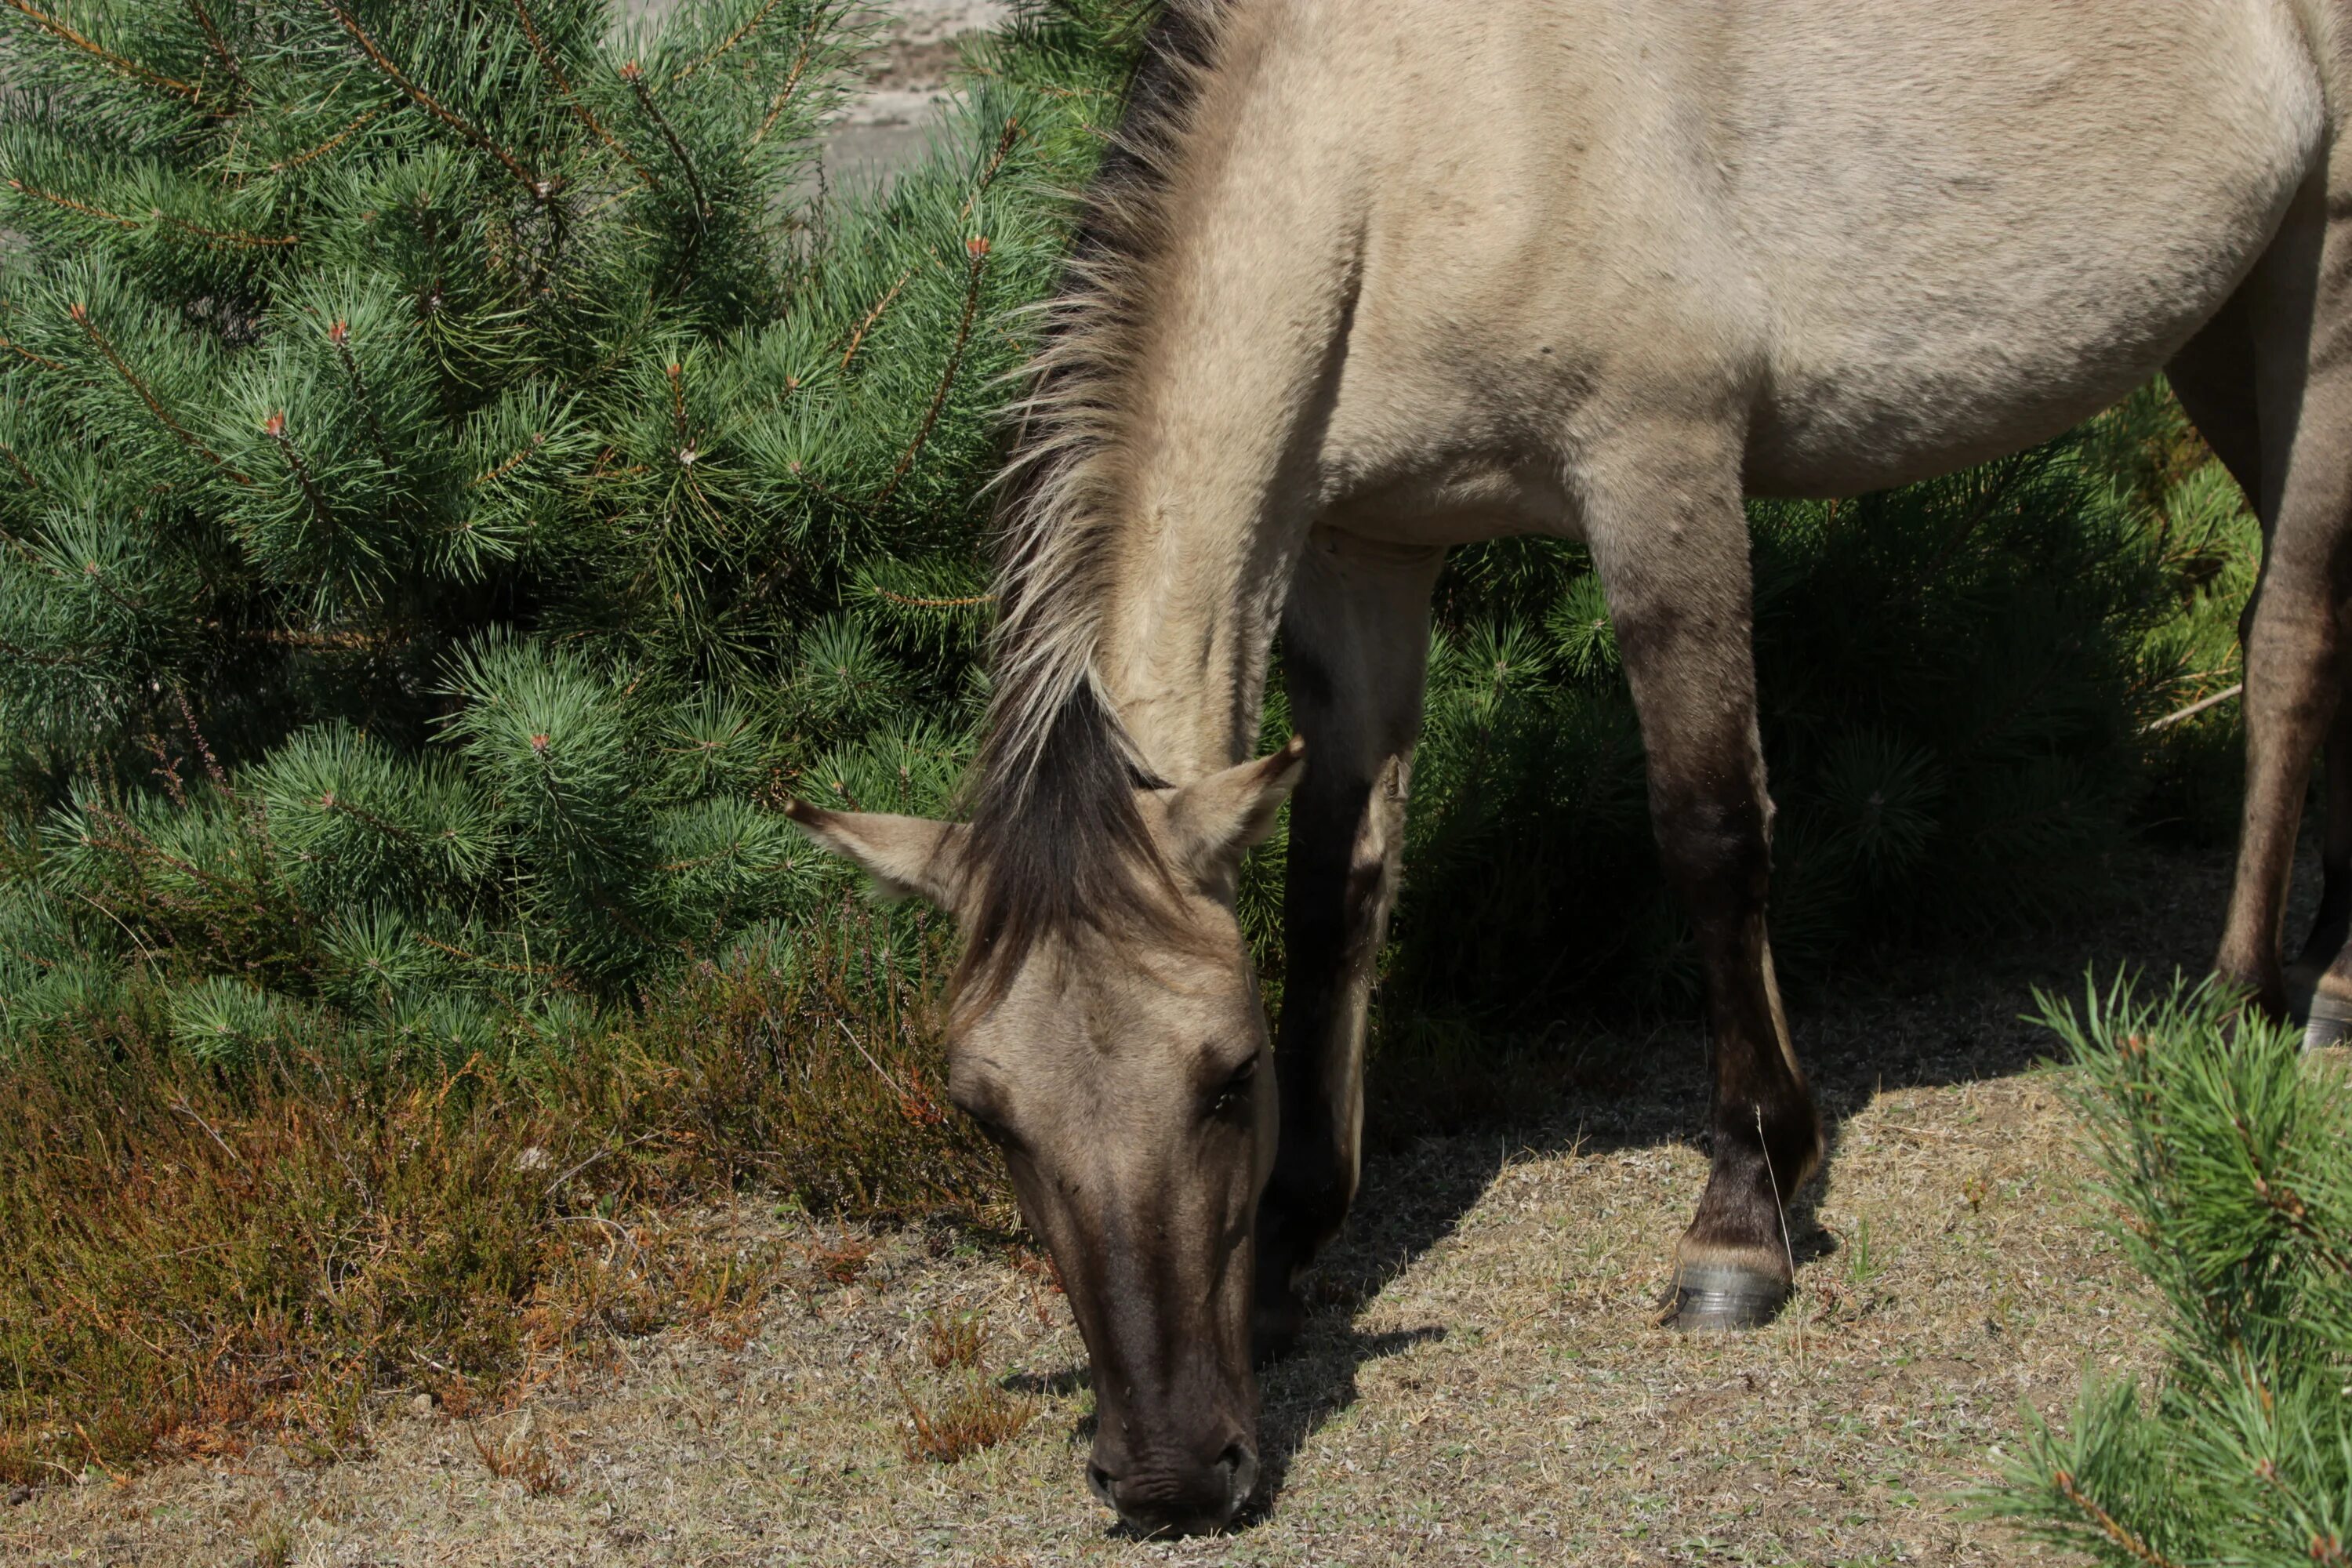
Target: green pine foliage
458, 475
2221, 1148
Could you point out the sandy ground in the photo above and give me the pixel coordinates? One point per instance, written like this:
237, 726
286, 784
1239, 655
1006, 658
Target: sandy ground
1483, 1383
889, 124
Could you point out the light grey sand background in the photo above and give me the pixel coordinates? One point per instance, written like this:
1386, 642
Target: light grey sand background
888, 125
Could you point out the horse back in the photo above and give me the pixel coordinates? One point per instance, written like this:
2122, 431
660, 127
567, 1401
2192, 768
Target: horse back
1898, 235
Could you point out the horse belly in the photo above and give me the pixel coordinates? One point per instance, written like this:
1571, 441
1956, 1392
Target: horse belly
1951, 276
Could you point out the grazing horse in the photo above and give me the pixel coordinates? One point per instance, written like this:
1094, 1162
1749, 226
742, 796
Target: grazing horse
1366, 278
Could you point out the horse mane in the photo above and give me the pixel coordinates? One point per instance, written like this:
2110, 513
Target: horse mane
1057, 844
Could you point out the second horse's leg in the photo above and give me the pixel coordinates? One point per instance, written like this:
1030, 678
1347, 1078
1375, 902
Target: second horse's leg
1670, 540
1355, 641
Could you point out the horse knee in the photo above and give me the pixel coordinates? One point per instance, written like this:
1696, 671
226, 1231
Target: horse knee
1715, 845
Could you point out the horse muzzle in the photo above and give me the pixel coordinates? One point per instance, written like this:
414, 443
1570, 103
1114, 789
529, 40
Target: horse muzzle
1162, 1499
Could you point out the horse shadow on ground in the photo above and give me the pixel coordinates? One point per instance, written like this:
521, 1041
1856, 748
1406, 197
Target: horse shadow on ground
1960, 1011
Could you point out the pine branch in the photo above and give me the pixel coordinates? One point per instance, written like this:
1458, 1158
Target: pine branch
2108, 1525
340, 336
217, 235
873, 316
913, 604
129, 68
275, 428
792, 84
80, 314
118, 219
733, 39
241, 238
556, 977
636, 77
323, 148
13, 346
45, 660
978, 250
219, 44
542, 189
988, 175
538, 440
17, 463
579, 110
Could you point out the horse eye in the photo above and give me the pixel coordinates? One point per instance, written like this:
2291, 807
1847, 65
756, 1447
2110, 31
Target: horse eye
1235, 1089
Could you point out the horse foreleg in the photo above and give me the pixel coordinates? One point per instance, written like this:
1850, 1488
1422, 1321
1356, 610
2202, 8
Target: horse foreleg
1355, 639
1673, 560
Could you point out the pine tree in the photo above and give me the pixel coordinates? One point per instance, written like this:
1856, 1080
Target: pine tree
458, 472
2221, 1151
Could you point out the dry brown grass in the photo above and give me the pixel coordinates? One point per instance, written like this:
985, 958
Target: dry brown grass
954, 1339
975, 1414
192, 1257
1479, 1382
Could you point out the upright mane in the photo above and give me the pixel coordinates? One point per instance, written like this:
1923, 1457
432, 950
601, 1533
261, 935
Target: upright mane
1057, 842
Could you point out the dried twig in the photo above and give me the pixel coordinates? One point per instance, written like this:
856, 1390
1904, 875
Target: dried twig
2194, 709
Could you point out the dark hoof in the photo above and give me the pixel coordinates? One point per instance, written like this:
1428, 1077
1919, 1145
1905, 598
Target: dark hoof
1707, 1298
2328, 1022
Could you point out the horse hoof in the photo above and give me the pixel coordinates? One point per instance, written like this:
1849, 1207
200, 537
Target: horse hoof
2328, 1022
1714, 1298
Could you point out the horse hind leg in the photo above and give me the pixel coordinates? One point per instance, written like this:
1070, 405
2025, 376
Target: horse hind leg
1673, 560
2298, 307
2215, 377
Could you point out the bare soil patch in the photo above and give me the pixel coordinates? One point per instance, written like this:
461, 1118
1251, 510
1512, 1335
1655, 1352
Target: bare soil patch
1483, 1383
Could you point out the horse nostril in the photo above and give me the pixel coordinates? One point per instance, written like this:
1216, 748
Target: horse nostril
1100, 1481
1240, 1467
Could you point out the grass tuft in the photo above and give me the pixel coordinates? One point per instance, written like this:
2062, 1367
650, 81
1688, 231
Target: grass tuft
975, 1415
523, 1457
954, 1340
842, 1261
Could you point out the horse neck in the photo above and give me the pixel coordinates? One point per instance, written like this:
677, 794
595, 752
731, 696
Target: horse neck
1184, 400
1190, 620
1220, 473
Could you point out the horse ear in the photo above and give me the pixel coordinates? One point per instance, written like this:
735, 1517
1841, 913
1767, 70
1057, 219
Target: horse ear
908, 857
1213, 822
